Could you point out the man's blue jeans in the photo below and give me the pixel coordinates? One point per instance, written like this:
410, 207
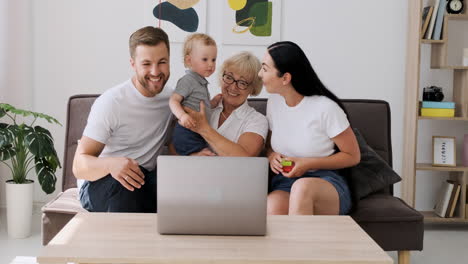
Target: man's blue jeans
108, 195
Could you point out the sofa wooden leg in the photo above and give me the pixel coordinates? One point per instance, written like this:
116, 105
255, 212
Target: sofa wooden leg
403, 257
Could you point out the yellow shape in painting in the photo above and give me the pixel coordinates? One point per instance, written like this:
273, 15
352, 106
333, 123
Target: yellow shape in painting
183, 4
237, 28
237, 4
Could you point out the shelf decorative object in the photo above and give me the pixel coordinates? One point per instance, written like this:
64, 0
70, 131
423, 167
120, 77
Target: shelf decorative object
443, 151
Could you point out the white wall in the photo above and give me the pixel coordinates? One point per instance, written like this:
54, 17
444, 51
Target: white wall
15, 62
81, 47
3, 30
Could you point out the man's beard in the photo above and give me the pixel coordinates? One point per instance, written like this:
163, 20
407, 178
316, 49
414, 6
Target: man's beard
145, 83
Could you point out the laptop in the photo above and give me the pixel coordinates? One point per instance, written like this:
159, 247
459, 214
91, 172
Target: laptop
212, 195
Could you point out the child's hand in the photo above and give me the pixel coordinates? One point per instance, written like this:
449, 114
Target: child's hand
187, 121
215, 101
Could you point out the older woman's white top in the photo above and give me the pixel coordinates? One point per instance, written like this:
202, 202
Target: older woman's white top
307, 129
244, 119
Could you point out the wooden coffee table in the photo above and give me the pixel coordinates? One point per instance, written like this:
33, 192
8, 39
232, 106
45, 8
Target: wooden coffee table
133, 238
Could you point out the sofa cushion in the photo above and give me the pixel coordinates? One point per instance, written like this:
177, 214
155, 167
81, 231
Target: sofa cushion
372, 174
66, 202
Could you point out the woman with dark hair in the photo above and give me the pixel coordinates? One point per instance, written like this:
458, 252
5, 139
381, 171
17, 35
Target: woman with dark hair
310, 130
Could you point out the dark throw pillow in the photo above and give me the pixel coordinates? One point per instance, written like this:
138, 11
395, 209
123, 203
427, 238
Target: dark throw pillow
372, 174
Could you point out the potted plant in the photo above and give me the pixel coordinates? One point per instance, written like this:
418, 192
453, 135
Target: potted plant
27, 147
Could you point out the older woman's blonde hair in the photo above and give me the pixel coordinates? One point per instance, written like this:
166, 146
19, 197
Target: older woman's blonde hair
246, 65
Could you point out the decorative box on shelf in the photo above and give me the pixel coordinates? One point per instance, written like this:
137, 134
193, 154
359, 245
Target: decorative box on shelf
438, 109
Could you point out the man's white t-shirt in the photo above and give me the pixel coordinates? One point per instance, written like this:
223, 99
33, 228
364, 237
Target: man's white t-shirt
242, 120
130, 124
305, 130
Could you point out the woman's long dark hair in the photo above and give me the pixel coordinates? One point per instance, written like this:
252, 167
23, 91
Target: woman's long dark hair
289, 57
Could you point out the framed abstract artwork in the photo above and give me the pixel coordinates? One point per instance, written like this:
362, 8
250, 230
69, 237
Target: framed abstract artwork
251, 22
178, 18
443, 151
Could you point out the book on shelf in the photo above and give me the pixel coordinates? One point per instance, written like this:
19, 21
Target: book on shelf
432, 104
443, 200
466, 210
430, 28
437, 112
426, 17
437, 35
453, 199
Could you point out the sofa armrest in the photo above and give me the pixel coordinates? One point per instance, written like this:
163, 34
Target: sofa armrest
58, 212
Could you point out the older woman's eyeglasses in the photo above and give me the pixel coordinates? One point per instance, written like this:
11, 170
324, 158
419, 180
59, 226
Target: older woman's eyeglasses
241, 84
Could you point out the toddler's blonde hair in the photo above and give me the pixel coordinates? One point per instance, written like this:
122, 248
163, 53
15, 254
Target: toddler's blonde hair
190, 43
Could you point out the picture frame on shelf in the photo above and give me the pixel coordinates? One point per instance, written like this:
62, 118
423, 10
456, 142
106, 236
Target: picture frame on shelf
443, 151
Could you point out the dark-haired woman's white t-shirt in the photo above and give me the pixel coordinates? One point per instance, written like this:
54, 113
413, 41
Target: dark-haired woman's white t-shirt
305, 130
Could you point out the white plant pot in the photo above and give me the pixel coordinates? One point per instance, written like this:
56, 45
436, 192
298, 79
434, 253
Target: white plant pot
19, 203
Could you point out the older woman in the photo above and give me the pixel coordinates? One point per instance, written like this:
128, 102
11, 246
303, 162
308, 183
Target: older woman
234, 128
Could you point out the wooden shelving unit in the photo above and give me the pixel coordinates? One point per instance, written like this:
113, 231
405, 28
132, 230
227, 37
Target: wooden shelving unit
429, 167
431, 218
439, 60
443, 118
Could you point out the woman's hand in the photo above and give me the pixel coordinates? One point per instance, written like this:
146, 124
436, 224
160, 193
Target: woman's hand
204, 152
275, 162
301, 166
201, 123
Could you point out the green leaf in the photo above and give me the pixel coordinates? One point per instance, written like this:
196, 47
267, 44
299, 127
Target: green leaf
45, 170
7, 151
6, 107
21, 112
39, 141
6, 135
54, 160
2, 112
9, 108
49, 118
16, 131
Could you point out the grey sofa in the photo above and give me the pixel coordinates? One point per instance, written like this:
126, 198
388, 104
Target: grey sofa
387, 219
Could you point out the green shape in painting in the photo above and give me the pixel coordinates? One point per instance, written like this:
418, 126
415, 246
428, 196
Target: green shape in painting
244, 13
260, 12
260, 29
